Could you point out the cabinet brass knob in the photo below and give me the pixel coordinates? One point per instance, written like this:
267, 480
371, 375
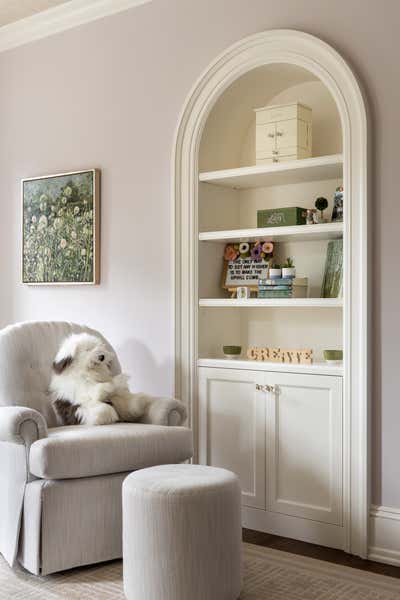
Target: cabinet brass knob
271, 135
279, 133
265, 388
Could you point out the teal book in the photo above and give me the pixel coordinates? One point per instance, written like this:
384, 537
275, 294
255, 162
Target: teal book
333, 276
274, 282
274, 294
275, 288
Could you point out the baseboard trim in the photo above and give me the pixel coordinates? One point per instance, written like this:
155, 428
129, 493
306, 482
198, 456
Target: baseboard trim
382, 555
384, 537
57, 19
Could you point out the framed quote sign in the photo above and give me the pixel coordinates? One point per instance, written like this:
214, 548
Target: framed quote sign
245, 263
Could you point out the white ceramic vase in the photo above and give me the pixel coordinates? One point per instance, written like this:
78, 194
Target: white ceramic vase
288, 272
275, 273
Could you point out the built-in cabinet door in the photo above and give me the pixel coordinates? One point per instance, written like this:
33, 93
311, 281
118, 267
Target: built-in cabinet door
304, 446
232, 427
286, 135
266, 140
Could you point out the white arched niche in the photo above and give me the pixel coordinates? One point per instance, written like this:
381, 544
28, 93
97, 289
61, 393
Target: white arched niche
310, 65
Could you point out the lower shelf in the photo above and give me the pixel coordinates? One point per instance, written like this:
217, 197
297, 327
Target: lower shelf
317, 368
265, 302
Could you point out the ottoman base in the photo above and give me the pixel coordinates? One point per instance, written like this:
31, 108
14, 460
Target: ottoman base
182, 534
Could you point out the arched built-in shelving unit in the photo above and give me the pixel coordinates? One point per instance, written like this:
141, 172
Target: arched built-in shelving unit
217, 191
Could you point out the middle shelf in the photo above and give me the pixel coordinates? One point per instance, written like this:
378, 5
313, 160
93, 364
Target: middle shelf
298, 233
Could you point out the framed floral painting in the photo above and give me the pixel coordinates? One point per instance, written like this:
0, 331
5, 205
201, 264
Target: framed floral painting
61, 228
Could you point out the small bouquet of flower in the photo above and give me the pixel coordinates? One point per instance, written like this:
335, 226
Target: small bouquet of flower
255, 250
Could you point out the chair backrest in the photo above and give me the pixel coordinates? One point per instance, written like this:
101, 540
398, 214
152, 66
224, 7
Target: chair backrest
27, 351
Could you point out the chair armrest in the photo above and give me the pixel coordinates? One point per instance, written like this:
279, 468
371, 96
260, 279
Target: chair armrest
164, 411
21, 425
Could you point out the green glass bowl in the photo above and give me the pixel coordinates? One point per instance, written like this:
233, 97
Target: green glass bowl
333, 355
232, 351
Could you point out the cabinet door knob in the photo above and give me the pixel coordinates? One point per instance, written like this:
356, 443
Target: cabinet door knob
275, 151
265, 388
271, 135
279, 133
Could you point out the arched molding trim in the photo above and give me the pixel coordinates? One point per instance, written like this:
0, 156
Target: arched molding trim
309, 52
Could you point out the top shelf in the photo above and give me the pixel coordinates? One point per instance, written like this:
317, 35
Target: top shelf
283, 173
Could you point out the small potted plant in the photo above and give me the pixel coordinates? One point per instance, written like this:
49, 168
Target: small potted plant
275, 271
321, 204
288, 269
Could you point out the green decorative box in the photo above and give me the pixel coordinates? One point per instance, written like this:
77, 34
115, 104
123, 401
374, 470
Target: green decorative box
281, 217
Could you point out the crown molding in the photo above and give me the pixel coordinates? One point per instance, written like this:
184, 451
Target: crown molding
57, 19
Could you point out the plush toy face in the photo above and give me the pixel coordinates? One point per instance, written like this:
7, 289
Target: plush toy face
84, 353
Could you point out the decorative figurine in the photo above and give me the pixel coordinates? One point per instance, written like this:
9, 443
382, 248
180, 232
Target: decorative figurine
310, 216
243, 292
321, 204
337, 213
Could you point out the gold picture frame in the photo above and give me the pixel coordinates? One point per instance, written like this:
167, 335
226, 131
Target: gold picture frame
61, 228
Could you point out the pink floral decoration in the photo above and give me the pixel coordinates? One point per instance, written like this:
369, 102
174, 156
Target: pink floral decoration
268, 247
230, 253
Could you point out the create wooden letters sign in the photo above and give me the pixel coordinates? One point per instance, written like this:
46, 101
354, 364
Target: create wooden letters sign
280, 355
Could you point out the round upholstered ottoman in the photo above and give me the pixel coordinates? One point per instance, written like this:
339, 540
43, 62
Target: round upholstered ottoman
182, 534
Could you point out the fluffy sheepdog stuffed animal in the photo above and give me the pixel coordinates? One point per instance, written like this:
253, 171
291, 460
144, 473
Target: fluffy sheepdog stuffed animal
84, 390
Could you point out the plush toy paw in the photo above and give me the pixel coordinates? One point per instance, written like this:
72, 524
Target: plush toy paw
101, 414
120, 382
130, 407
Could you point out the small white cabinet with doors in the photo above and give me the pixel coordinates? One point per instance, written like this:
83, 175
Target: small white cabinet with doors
283, 133
281, 433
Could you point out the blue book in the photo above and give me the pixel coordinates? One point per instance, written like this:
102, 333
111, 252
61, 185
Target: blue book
273, 282
272, 289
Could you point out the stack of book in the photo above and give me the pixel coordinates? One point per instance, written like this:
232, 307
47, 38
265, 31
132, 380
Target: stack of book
275, 288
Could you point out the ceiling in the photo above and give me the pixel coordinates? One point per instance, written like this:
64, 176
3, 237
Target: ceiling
14, 10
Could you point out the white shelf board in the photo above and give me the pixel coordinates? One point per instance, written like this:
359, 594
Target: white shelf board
300, 233
272, 303
317, 368
295, 171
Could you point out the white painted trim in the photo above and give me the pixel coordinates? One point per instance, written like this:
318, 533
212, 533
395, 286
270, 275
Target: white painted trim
385, 512
306, 530
384, 542
57, 19
383, 555
314, 55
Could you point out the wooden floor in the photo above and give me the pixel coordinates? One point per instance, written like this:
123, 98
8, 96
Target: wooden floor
320, 552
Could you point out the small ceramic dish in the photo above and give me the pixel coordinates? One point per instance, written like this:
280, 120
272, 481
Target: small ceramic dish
333, 356
232, 351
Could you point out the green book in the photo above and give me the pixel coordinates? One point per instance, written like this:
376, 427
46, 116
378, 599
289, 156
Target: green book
275, 294
333, 276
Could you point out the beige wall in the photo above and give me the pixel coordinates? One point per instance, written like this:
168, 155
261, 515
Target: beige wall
108, 94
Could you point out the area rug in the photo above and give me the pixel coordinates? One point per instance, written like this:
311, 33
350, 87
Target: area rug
268, 575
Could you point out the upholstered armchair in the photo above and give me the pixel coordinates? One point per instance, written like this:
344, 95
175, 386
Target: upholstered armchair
60, 487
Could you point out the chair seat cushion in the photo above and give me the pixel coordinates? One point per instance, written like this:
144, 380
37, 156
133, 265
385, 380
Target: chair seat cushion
84, 451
